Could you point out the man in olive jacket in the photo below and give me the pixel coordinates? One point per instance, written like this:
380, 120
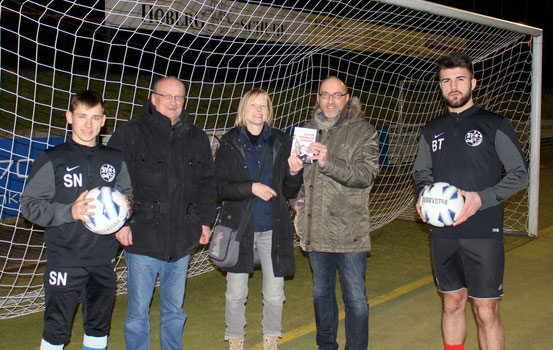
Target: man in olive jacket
333, 211
172, 172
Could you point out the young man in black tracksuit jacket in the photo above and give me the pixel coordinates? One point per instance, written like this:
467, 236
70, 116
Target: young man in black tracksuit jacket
469, 148
80, 263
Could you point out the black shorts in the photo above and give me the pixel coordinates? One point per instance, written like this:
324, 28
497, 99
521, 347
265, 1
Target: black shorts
63, 287
474, 264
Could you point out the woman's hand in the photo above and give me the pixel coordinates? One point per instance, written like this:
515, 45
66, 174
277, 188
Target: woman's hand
263, 191
295, 164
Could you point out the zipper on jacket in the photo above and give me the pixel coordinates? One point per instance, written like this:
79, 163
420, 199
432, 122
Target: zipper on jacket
310, 208
89, 175
172, 135
311, 187
456, 123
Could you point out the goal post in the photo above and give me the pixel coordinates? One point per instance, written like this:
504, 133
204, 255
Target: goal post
384, 50
536, 35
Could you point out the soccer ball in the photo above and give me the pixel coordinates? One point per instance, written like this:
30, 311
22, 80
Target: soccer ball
110, 212
440, 204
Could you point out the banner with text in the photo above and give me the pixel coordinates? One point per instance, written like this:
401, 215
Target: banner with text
257, 22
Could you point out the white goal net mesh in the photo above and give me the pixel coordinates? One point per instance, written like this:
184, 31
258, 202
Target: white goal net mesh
221, 49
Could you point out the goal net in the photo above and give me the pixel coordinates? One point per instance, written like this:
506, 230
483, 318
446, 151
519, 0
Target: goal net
221, 49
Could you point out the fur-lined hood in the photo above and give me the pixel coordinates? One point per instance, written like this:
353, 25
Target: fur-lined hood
352, 109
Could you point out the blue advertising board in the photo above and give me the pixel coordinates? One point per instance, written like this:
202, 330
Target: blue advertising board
16, 158
383, 132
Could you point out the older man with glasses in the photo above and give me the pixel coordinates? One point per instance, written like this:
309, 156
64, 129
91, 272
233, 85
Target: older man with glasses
333, 211
172, 173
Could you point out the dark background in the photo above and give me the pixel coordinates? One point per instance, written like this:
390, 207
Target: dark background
535, 13
53, 32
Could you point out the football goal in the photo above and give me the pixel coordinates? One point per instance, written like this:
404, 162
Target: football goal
384, 50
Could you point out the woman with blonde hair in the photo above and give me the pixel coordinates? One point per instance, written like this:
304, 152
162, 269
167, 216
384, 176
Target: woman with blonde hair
267, 234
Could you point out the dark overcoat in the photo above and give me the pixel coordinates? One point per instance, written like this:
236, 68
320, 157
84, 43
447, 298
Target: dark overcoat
234, 188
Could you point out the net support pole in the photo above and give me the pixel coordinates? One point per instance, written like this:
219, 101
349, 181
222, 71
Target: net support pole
535, 114
535, 136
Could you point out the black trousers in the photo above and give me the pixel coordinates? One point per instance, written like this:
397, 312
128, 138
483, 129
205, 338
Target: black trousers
64, 286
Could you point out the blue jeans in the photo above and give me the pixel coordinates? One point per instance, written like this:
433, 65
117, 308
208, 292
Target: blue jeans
141, 278
273, 294
352, 268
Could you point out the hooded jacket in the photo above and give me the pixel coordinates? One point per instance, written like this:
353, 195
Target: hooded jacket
335, 215
172, 174
234, 187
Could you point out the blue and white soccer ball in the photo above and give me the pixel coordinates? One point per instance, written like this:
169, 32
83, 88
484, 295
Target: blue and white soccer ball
440, 203
110, 212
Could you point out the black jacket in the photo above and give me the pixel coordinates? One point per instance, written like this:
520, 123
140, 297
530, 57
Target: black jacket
470, 150
172, 171
58, 176
234, 187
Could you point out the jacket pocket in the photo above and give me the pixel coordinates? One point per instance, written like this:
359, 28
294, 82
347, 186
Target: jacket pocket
344, 223
299, 220
191, 215
193, 165
150, 171
144, 226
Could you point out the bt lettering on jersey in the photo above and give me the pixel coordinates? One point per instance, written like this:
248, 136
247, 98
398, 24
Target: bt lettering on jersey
437, 144
58, 278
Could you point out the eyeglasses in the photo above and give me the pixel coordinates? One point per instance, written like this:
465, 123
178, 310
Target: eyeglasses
336, 95
170, 97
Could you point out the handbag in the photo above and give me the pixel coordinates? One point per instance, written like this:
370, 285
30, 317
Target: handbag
224, 247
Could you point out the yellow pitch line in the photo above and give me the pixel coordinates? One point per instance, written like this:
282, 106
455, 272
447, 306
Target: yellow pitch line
396, 293
545, 231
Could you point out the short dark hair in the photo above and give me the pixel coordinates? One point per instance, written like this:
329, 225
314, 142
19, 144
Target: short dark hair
455, 60
88, 98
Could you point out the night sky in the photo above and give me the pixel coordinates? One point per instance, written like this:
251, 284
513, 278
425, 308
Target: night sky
535, 13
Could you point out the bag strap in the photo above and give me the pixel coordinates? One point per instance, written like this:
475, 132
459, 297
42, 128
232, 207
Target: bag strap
264, 160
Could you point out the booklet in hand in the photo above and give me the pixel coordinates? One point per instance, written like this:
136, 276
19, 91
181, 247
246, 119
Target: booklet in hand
302, 138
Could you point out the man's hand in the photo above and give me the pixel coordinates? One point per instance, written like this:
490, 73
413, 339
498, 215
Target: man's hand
419, 211
124, 236
206, 235
473, 203
295, 164
418, 206
320, 153
297, 203
129, 208
263, 191
80, 206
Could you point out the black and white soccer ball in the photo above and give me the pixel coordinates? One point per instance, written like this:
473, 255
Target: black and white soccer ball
440, 203
110, 212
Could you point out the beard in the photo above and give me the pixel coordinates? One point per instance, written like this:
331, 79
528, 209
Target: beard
458, 101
